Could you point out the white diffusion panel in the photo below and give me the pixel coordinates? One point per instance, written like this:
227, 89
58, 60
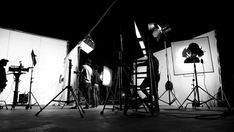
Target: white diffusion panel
50, 53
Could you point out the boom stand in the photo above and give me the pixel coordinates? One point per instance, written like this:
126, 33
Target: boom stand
31, 94
196, 102
69, 88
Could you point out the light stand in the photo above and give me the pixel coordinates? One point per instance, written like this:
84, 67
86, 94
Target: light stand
118, 83
196, 102
153, 85
31, 81
157, 33
169, 84
31, 94
71, 90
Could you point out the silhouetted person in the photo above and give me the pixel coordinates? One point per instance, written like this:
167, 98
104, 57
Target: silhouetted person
95, 86
3, 78
86, 82
155, 80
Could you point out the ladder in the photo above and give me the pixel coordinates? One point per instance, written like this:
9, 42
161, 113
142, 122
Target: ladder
139, 74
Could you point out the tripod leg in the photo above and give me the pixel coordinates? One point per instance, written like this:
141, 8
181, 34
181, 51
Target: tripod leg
107, 97
186, 98
77, 103
212, 97
117, 87
175, 98
207, 93
50, 102
35, 100
163, 94
229, 106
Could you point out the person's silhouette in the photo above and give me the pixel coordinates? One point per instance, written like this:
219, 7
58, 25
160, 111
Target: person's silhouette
3, 78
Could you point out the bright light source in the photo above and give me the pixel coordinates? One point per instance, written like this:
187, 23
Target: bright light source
87, 45
106, 76
151, 26
158, 30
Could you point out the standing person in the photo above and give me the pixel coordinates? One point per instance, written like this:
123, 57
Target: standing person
95, 83
86, 85
3, 78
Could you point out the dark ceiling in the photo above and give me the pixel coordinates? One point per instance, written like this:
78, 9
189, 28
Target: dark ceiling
73, 21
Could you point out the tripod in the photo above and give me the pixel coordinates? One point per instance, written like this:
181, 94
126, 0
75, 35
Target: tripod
168, 85
117, 94
169, 88
17, 71
196, 102
118, 83
69, 88
31, 94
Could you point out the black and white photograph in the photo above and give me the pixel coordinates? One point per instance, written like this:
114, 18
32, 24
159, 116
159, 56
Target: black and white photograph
115, 65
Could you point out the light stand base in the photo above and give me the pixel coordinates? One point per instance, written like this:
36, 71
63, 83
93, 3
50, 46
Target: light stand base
170, 93
76, 99
195, 103
29, 106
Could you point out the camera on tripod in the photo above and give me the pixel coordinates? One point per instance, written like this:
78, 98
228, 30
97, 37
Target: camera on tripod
20, 68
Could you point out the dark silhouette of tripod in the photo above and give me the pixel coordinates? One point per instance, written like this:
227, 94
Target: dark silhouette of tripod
69, 88
118, 88
30, 94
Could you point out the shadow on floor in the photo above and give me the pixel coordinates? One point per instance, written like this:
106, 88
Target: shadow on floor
55, 119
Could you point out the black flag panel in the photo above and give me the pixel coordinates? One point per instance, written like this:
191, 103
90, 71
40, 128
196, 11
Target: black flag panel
33, 58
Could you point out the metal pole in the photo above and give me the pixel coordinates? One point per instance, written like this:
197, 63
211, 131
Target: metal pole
69, 81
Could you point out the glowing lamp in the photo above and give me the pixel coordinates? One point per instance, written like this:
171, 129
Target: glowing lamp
106, 76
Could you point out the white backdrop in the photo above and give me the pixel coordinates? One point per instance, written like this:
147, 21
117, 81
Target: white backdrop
50, 53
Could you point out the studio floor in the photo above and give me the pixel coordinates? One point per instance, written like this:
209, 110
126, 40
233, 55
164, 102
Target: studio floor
169, 119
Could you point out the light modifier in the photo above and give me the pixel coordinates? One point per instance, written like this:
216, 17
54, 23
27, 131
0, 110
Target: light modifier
158, 30
87, 45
